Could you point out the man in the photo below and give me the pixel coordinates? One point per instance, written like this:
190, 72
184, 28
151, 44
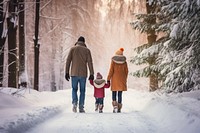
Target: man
79, 58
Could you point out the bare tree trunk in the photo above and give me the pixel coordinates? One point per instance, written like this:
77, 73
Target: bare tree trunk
12, 47
22, 75
53, 79
151, 37
61, 68
36, 47
53, 40
2, 41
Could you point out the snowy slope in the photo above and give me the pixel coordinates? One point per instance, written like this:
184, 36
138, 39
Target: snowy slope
143, 112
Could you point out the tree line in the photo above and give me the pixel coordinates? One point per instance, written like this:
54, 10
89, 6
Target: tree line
12, 23
171, 54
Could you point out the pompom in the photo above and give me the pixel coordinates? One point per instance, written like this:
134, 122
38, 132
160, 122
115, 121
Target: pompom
119, 51
122, 49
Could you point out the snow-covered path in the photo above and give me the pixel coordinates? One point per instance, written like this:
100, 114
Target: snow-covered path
129, 121
142, 112
133, 122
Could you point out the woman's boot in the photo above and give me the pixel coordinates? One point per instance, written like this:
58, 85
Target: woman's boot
115, 106
119, 108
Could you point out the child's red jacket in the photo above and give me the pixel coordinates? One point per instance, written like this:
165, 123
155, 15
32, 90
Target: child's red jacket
99, 87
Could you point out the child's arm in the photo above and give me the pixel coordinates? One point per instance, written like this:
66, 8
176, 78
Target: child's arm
92, 82
107, 85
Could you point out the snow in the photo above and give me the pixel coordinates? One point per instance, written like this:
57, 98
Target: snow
29, 111
23, 77
151, 2
198, 2
174, 31
187, 2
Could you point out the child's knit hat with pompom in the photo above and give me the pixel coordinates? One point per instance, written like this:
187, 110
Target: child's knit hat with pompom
99, 76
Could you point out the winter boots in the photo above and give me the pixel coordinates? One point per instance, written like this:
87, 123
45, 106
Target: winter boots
119, 108
96, 107
116, 107
74, 108
99, 107
81, 109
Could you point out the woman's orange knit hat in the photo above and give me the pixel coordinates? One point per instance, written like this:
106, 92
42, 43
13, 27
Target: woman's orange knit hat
120, 51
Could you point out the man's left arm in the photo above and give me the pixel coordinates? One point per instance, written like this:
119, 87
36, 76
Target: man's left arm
68, 62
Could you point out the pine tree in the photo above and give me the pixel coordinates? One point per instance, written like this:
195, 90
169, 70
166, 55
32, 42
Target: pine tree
178, 51
148, 53
179, 57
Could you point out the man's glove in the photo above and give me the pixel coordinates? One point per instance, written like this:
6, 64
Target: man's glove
91, 77
67, 76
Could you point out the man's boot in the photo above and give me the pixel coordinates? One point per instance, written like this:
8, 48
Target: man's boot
115, 106
74, 108
81, 109
119, 108
101, 108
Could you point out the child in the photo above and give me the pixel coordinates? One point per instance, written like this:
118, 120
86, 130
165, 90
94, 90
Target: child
118, 74
99, 86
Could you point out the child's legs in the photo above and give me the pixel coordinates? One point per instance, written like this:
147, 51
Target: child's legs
101, 105
97, 100
101, 101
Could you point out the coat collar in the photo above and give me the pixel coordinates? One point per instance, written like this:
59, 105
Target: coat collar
99, 83
119, 59
80, 44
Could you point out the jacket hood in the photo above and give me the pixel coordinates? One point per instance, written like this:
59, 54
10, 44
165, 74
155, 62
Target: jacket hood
79, 43
119, 59
99, 83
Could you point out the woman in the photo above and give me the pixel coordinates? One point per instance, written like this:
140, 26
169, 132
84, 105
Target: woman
118, 76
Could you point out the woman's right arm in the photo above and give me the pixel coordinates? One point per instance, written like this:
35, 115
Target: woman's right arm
111, 71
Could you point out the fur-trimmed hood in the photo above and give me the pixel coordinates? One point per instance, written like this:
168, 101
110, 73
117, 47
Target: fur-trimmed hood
99, 83
80, 44
119, 59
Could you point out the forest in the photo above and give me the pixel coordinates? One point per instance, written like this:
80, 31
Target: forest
160, 38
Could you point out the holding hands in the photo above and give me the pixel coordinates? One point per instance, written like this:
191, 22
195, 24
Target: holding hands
91, 77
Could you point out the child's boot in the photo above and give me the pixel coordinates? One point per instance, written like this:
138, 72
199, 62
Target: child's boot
119, 108
101, 108
96, 107
115, 106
